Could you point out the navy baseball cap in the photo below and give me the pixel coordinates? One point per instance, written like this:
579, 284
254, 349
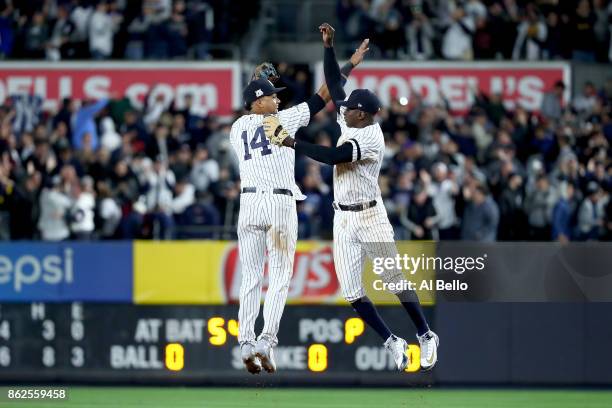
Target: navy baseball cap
256, 89
362, 99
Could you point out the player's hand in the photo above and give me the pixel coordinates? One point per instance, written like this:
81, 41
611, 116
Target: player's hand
360, 52
328, 34
274, 130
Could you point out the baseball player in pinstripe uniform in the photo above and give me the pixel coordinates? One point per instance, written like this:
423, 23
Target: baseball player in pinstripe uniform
268, 216
361, 225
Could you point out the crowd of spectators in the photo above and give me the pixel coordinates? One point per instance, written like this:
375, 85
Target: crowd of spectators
415, 29
492, 175
119, 29
103, 169
580, 30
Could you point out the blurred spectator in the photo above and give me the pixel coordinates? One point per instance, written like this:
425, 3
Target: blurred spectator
587, 100
552, 103
203, 216
24, 208
84, 125
539, 205
159, 182
400, 197
184, 196
59, 46
35, 37
177, 31
591, 213
102, 27
531, 36
420, 36
7, 31
181, 162
137, 29
457, 41
582, 33
481, 215
82, 211
201, 24
554, 44
205, 170
563, 215
110, 140
109, 212
421, 217
512, 223
602, 20
392, 39
26, 110
81, 16
54, 211
443, 190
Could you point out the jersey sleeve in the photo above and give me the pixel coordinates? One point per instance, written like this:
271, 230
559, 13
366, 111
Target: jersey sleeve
367, 144
233, 136
340, 119
294, 118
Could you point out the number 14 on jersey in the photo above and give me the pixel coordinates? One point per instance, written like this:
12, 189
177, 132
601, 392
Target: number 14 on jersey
259, 141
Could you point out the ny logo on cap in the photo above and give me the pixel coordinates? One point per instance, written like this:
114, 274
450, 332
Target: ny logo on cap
359, 105
258, 93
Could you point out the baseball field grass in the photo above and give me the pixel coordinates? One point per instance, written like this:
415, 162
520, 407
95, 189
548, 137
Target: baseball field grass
149, 397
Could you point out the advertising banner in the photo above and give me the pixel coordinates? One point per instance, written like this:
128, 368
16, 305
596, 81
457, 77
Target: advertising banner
519, 84
66, 272
209, 272
215, 87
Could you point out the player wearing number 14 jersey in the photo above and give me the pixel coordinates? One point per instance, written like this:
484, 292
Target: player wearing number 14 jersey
268, 216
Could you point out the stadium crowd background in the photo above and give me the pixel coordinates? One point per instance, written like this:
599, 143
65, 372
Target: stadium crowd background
104, 170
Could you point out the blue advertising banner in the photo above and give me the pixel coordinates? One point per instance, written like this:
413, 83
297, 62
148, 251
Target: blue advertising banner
66, 271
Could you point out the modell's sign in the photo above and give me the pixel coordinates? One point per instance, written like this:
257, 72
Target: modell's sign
213, 87
518, 84
314, 277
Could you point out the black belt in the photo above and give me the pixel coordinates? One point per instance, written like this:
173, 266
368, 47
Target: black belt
355, 207
283, 191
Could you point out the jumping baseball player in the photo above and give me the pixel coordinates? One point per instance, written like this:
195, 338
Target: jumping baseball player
361, 225
268, 217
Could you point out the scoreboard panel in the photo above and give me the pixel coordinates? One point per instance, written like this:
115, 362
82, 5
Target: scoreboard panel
88, 342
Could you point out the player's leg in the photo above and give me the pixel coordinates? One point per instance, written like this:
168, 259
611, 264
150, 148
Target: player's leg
377, 234
281, 242
348, 261
251, 247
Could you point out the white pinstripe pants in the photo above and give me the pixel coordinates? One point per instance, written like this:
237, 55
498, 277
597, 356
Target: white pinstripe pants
357, 235
266, 221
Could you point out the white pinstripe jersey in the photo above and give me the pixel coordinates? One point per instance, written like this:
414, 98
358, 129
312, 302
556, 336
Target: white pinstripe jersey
262, 164
357, 182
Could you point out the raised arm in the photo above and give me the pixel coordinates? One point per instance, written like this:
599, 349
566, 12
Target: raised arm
333, 77
356, 59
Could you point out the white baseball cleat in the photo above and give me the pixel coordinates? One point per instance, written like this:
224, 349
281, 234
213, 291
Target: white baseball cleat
429, 343
397, 346
263, 350
250, 360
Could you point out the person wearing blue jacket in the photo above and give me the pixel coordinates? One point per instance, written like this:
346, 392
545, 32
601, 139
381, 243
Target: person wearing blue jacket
84, 123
